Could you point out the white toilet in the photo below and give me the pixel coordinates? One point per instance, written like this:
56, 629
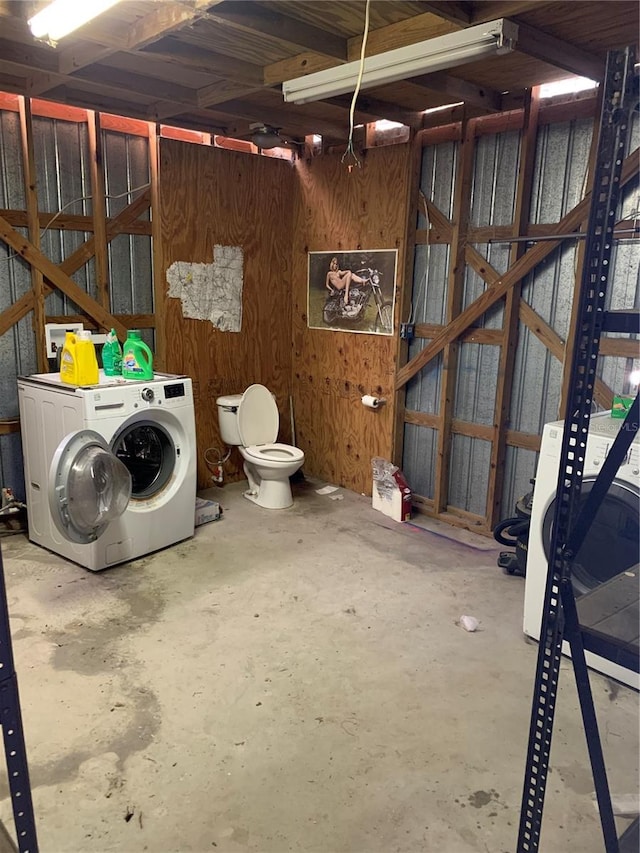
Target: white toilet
250, 422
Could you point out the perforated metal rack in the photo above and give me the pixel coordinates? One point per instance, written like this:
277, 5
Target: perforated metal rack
560, 619
13, 735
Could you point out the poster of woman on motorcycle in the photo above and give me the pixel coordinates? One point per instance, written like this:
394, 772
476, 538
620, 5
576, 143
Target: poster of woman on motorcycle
352, 291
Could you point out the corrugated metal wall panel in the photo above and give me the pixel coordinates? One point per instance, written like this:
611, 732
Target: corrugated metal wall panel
469, 473
474, 286
476, 383
537, 384
437, 177
423, 391
420, 457
431, 268
520, 467
562, 157
11, 174
494, 180
126, 160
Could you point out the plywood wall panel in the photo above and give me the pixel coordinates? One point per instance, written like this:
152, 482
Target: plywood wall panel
340, 210
213, 196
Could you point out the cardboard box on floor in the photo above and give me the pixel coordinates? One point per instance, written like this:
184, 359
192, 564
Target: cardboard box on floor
391, 495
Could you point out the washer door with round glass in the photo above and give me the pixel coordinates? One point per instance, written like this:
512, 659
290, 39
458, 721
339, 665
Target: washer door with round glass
88, 487
147, 450
611, 544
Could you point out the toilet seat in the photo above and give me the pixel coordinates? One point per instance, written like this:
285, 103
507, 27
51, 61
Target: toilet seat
258, 418
274, 452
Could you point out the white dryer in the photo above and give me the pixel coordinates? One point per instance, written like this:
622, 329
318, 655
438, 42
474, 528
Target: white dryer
110, 469
612, 544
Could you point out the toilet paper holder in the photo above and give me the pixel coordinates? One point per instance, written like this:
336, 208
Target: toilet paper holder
371, 402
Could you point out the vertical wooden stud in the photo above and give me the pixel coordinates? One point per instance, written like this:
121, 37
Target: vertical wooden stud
159, 288
580, 254
461, 203
511, 309
404, 305
98, 208
31, 198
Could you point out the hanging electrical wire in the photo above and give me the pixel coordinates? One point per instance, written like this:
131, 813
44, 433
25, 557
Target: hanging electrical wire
349, 149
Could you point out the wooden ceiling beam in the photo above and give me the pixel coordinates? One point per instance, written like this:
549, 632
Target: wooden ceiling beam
456, 11
408, 31
165, 18
28, 56
373, 109
101, 76
460, 90
489, 10
546, 48
175, 52
248, 16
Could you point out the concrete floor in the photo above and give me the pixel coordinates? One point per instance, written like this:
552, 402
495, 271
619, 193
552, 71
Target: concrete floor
294, 681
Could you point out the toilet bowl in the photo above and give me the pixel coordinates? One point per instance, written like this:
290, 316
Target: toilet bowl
250, 422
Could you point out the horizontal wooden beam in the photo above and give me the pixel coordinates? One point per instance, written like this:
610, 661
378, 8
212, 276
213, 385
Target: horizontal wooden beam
460, 90
456, 11
71, 222
562, 54
250, 17
131, 321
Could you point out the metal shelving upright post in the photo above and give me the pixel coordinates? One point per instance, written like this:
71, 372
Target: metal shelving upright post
15, 750
560, 618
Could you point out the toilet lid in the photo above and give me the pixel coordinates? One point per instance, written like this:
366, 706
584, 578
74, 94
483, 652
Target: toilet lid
258, 417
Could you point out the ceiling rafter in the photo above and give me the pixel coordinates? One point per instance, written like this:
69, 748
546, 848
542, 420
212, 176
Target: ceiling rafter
165, 18
248, 16
456, 11
558, 52
460, 90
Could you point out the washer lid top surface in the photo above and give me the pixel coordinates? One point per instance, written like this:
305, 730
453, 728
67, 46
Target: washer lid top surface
258, 417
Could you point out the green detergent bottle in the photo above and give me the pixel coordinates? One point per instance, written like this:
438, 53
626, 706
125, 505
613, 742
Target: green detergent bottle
112, 355
137, 358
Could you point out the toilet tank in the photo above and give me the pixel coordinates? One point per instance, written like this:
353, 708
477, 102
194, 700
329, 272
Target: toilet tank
228, 418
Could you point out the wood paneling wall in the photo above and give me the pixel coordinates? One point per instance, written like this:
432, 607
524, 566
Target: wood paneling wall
337, 209
213, 196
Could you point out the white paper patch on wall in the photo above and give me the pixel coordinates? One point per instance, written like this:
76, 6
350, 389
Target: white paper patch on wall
211, 291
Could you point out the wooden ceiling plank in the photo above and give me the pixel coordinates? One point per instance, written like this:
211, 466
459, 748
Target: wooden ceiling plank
102, 75
165, 18
28, 56
460, 90
224, 90
246, 15
492, 9
457, 12
560, 53
170, 50
374, 109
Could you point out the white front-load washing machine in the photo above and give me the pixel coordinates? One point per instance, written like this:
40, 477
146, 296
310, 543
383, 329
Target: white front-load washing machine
110, 469
612, 544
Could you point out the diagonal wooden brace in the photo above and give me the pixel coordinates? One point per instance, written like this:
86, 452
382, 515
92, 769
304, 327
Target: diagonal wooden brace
522, 267
10, 316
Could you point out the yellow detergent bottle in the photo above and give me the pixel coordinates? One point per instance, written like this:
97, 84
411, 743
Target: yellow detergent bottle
78, 363
137, 358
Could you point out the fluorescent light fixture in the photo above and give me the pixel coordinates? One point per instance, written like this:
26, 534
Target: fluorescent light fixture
62, 17
490, 39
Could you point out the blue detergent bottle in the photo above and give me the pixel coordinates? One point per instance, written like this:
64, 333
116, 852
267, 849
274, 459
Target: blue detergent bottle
137, 358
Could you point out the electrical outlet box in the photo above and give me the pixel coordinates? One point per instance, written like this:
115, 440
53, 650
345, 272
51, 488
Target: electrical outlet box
407, 331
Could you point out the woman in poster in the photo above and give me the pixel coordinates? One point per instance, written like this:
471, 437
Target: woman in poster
338, 279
